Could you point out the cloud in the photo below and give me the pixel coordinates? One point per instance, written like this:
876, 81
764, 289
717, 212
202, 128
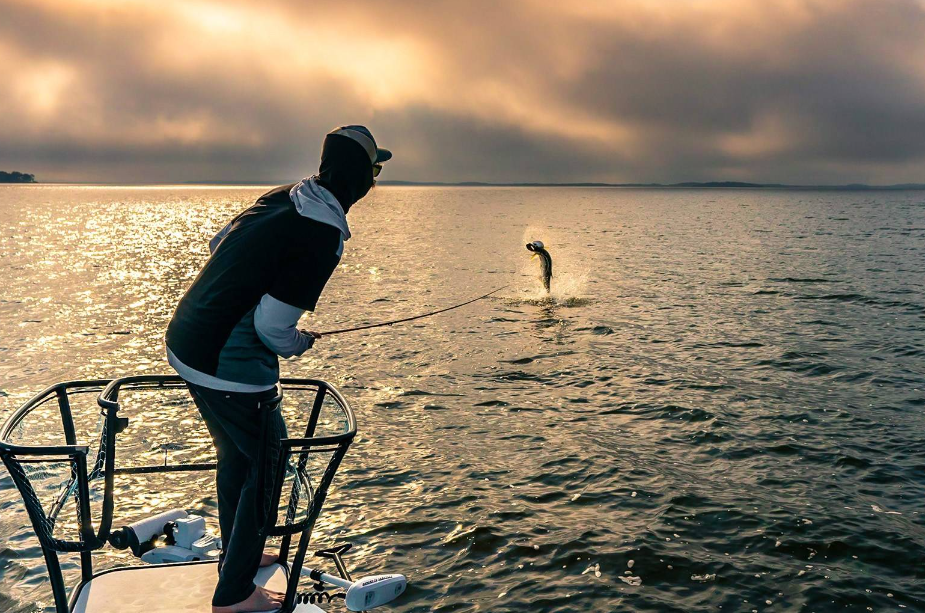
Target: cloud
648, 90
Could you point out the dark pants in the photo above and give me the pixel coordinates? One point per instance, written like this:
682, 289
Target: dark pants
234, 420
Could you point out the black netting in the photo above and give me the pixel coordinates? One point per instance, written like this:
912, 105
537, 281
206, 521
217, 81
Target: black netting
42, 523
296, 408
305, 466
48, 484
303, 473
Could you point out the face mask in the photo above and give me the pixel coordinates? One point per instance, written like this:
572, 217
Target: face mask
345, 169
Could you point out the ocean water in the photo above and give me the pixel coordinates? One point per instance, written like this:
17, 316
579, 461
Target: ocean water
720, 407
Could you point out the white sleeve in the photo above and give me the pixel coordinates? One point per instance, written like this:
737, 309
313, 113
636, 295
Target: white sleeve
275, 322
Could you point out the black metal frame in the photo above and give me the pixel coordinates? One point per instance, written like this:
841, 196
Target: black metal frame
75, 454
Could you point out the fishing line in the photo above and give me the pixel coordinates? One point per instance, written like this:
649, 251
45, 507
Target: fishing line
422, 315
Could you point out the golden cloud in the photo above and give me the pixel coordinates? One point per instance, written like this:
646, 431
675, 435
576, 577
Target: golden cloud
596, 90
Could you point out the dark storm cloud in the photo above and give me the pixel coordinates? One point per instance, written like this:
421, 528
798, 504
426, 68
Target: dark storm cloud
650, 90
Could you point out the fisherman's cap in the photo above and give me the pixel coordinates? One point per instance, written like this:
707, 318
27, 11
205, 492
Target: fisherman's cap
364, 137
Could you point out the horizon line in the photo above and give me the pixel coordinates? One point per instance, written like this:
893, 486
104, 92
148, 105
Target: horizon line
635, 185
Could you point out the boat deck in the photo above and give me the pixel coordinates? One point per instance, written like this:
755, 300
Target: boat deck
165, 588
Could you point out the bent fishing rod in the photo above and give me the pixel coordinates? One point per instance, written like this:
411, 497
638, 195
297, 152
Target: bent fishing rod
421, 316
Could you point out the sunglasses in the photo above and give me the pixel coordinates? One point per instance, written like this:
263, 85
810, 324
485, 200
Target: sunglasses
377, 168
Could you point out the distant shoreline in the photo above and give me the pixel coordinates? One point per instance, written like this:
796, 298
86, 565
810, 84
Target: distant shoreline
17, 178
859, 187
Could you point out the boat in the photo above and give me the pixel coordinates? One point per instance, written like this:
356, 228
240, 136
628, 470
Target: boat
174, 557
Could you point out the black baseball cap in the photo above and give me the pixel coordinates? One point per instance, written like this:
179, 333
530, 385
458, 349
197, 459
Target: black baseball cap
364, 137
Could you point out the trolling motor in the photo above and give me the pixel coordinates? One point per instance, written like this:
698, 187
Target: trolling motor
539, 249
363, 594
185, 538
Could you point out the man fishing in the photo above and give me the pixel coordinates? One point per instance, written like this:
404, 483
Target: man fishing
267, 267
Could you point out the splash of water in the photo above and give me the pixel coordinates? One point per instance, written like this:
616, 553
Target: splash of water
569, 279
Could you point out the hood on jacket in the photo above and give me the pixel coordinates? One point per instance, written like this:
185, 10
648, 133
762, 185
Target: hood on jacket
314, 201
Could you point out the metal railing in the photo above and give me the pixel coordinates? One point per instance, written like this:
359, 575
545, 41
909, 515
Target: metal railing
94, 532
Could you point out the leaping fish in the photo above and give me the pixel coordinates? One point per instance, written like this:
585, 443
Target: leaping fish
539, 249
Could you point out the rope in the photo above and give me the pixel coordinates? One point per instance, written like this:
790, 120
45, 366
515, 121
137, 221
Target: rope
422, 315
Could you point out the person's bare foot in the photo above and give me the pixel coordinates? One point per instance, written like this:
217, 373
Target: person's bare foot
268, 558
261, 599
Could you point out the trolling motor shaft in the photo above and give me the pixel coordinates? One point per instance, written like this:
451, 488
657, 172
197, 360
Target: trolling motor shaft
539, 249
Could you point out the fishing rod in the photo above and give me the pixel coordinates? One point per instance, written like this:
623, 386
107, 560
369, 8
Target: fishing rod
421, 316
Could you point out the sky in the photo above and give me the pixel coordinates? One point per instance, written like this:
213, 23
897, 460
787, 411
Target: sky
793, 91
